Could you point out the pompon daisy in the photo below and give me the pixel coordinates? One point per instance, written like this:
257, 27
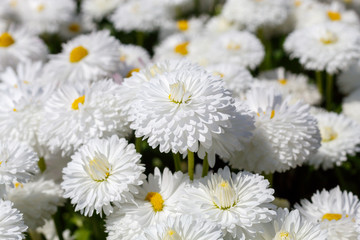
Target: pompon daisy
285, 135
183, 227
77, 113
335, 210
132, 59
193, 113
45, 16
189, 27
158, 198
330, 47
296, 85
86, 58
11, 222
254, 14
238, 47
37, 200
102, 172
98, 9
339, 138
19, 45
77, 25
240, 203
348, 80
290, 225
219, 24
351, 106
237, 78
173, 47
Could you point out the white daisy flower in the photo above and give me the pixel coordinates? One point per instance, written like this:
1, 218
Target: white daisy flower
98, 9
331, 47
193, 113
240, 203
189, 27
76, 114
132, 59
37, 200
86, 58
19, 45
11, 222
254, 14
290, 225
219, 24
296, 85
334, 210
339, 138
158, 198
285, 135
183, 227
102, 172
200, 49
348, 80
78, 24
173, 47
351, 106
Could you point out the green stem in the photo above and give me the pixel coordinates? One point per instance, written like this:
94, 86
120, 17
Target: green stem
319, 81
34, 235
138, 143
191, 164
177, 161
59, 224
140, 38
205, 169
270, 178
329, 91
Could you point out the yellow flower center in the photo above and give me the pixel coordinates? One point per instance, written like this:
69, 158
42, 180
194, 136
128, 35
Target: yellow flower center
40, 7
233, 46
99, 168
332, 216
224, 195
130, 73
178, 93
329, 38
334, 16
75, 104
74, 27
123, 58
328, 134
156, 201
17, 185
14, 109
282, 81
272, 115
283, 235
182, 25
77, 54
182, 48
297, 3
6, 40
218, 74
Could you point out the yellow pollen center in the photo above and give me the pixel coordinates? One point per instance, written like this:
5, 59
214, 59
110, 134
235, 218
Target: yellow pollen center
156, 201
283, 235
75, 104
123, 58
272, 115
99, 168
182, 48
130, 73
0, 163
328, 134
178, 93
182, 25
74, 27
6, 40
218, 74
329, 38
17, 185
224, 195
282, 81
77, 54
40, 8
233, 46
14, 109
332, 216
334, 16
297, 3
171, 235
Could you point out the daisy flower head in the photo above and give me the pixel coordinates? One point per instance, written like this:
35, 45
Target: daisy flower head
87, 58
239, 203
173, 47
254, 14
193, 113
132, 59
340, 137
329, 47
348, 80
334, 210
337, 12
189, 27
290, 225
77, 113
284, 137
102, 172
220, 24
183, 227
158, 198
77, 25
37, 200
98, 9
11, 222
351, 105
18, 44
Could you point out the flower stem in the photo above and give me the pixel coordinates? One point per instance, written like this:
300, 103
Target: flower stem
34, 235
140, 38
270, 178
329, 90
319, 81
191, 163
177, 161
205, 169
138, 143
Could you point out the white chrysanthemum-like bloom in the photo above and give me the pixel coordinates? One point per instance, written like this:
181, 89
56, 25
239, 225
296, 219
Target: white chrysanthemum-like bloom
19, 45
340, 137
11, 222
173, 47
287, 226
285, 135
351, 106
76, 114
334, 210
183, 227
102, 172
237, 78
37, 200
242, 48
296, 85
254, 13
158, 198
132, 59
348, 80
331, 47
200, 49
189, 110
18, 163
219, 24
189, 27
78, 24
86, 58
240, 203
45, 16
140, 15
98, 9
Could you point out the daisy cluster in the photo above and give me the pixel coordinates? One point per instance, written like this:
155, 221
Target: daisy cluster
106, 106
